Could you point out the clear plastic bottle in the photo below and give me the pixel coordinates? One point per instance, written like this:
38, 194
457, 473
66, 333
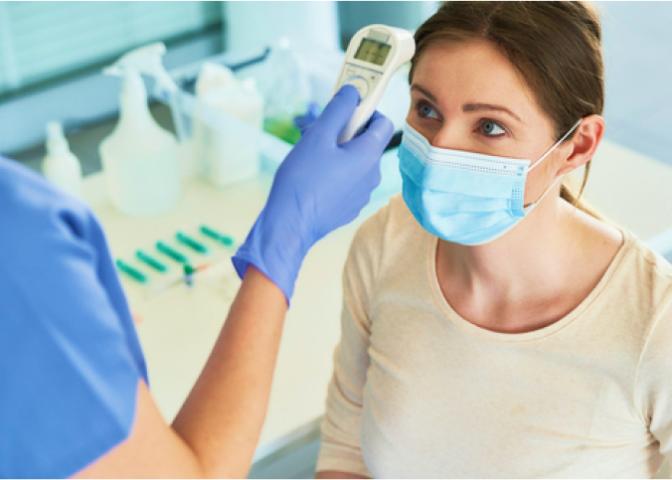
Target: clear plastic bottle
227, 126
139, 157
60, 165
285, 87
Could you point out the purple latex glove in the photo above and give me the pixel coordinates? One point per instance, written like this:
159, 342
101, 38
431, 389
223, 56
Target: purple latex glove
307, 119
319, 187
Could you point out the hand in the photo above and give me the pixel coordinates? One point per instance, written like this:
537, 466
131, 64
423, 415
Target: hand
319, 187
307, 119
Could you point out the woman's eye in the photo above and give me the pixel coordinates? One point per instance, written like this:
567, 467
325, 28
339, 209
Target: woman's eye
490, 128
426, 111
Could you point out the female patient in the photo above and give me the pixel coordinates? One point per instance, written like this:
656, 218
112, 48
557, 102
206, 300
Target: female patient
493, 326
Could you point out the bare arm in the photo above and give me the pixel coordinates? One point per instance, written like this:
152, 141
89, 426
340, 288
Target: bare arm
216, 431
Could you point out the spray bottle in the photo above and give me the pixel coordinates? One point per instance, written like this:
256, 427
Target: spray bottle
60, 165
139, 157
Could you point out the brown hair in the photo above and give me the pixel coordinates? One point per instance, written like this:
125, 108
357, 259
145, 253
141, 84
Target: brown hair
556, 46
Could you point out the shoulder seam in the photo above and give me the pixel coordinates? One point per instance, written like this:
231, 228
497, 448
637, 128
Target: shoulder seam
651, 258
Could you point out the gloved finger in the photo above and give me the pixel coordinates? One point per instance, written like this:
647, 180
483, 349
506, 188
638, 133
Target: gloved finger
302, 122
374, 139
338, 111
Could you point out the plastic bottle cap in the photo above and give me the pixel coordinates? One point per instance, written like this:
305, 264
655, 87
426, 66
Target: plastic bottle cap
56, 141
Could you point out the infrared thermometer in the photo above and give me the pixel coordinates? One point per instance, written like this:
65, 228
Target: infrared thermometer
374, 54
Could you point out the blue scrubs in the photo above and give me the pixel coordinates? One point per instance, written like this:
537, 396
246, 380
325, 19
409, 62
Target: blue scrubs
70, 360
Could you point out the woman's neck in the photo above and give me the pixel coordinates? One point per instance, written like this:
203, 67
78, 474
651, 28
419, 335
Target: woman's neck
535, 274
519, 261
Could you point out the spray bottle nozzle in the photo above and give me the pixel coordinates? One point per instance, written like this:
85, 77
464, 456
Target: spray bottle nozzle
145, 60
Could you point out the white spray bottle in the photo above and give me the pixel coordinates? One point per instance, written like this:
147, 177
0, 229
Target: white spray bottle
139, 157
60, 165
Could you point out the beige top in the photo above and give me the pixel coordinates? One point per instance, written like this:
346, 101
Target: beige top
418, 391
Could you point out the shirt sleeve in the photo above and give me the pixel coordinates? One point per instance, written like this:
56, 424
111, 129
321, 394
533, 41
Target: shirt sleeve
341, 427
654, 378
68, 373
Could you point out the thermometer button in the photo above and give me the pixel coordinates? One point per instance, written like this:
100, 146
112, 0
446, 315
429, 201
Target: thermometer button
360, 84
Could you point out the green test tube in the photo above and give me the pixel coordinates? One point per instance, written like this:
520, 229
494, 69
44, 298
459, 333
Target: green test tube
215, 235
151, 261
132, 272
171, 252
188, 269
190, 242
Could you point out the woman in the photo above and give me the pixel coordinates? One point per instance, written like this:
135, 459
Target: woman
75, 398
493, 326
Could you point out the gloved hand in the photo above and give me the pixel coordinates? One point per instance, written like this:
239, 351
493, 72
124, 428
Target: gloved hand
319, 187
308, 118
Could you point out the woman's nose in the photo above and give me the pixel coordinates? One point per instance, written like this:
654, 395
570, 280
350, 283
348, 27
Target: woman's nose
448, 136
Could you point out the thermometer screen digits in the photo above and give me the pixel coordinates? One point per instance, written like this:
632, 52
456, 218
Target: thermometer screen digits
372, 51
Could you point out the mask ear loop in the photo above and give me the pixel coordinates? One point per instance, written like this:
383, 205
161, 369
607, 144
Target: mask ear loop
554, 146
530, 206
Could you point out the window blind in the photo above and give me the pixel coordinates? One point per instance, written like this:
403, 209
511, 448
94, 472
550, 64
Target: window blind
43, 40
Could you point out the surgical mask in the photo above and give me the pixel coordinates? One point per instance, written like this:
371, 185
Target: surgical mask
465, 197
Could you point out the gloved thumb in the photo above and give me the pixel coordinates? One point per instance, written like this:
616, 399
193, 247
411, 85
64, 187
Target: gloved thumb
373, 140
338, 111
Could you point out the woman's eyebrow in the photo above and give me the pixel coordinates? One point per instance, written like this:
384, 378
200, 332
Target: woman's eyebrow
424, 91
472, 107
468, 107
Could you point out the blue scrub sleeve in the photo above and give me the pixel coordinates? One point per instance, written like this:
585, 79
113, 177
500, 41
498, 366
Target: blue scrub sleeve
70, 361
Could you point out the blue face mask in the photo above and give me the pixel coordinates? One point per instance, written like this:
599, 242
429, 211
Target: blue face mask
465, 197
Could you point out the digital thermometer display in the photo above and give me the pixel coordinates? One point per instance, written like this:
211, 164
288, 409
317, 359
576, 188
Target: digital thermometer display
372, 51
373, 55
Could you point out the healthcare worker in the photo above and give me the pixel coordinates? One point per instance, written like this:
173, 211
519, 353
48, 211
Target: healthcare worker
74, 393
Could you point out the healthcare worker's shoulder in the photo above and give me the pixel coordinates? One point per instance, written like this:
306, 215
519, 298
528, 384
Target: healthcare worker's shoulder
67, 334
30, 204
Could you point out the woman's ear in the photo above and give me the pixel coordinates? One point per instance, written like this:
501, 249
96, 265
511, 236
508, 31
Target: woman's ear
584, 143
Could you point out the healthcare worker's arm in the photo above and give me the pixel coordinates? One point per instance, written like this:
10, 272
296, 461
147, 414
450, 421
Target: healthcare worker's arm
320, 186
216, 431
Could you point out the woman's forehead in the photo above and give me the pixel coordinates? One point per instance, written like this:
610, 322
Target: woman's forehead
472, 71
